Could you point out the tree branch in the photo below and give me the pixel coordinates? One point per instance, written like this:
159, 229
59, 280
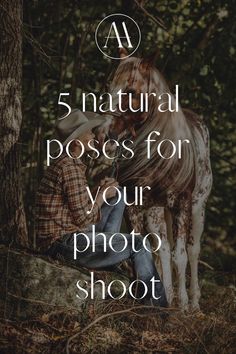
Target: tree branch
157, 20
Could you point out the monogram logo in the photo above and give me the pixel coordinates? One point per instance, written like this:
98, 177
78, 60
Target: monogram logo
117, 31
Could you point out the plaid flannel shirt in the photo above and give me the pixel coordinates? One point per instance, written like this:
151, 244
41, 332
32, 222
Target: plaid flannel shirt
62, 202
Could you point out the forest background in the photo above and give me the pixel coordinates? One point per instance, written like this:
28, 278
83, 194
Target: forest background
195, 43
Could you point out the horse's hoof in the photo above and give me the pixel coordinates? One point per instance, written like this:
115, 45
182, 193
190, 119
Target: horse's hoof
194, 307
184, 308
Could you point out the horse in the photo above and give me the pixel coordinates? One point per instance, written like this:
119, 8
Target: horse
175, 209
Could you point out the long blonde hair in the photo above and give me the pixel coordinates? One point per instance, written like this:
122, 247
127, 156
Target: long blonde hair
160, 174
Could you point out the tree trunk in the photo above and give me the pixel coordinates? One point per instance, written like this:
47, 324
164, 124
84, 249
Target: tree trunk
12, 217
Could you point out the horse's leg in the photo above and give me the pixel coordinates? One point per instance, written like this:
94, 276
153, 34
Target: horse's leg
180, 259
134, 217
193, 250
200, 196
155, 223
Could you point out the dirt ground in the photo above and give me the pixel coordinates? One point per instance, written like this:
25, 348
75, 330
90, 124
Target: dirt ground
121, 327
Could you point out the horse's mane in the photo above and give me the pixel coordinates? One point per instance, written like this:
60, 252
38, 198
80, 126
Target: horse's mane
160, 174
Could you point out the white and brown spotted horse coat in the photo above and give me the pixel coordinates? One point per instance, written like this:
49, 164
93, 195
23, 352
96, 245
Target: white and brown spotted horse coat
179, 217
179, 221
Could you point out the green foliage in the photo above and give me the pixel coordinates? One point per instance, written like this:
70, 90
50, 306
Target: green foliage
197, 51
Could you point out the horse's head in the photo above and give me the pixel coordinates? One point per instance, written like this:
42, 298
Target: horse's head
134, 76
139, 76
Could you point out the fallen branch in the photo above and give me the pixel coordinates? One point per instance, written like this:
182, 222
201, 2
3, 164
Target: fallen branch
206, 265
36, 301
100, 318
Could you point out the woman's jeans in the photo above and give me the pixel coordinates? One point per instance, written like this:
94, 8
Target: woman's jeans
101, 259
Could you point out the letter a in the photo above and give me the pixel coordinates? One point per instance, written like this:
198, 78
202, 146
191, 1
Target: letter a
117, 36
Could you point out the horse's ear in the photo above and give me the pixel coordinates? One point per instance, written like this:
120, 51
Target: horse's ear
123, 53
150, 60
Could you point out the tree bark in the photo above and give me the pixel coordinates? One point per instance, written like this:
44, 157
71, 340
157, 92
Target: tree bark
12, 216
